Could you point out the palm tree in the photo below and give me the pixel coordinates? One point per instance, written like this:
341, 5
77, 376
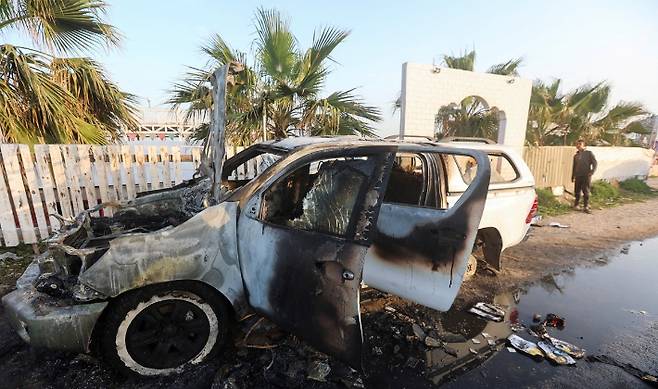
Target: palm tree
48, 99
585, 113
278, 93
470, 118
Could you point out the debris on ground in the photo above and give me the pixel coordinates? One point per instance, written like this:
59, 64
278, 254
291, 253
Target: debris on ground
318, 371
488, 311
567, 347
9, 255
650, 379
526, 347
558, 225
553, 320
554, 354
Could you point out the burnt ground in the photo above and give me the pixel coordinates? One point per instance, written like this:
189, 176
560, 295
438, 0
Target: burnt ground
394, 357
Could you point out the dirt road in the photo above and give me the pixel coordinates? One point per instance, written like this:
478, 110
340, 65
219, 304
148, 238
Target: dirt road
394, 358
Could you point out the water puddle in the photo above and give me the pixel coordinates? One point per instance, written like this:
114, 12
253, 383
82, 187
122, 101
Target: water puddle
610, 309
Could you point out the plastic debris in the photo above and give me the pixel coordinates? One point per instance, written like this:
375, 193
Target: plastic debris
558, 225
491, 342
516, 327
486, 335
554, 354
472, 351
567, 347
510, 349
9, 255
488, 311
526, 347
475, 341
553, 320
418, 331
318, 371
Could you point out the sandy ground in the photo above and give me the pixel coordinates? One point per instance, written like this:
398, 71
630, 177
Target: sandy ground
588, 240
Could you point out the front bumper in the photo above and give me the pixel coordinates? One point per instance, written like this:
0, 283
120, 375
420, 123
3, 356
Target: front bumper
44, 321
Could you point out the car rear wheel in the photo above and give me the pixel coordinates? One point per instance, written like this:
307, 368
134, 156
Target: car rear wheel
161, 329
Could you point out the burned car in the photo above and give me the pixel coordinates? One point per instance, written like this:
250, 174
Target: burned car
156, 285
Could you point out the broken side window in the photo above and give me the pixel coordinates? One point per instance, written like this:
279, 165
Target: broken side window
320, 196
407, 180
502, 169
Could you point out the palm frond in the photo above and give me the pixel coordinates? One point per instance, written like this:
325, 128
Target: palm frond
275, 44
62, 25
509, 68
464, 62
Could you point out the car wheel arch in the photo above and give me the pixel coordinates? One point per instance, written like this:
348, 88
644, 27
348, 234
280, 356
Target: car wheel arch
492, 246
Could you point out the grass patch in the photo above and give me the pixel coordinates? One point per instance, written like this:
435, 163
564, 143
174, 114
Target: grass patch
635, 185
604, 194
550, 205
11, 269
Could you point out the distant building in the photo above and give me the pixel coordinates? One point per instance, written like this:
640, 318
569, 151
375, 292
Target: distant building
162, 124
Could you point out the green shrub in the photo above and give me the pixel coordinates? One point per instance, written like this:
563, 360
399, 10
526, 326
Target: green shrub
549, 205
603, 192
635, 185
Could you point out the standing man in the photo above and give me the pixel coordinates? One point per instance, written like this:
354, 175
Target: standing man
584, 165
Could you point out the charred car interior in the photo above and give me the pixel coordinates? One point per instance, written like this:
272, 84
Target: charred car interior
153, 284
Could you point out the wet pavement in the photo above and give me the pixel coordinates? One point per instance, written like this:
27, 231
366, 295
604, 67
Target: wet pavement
611, 310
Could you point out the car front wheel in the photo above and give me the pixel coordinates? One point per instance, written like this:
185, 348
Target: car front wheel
159, 330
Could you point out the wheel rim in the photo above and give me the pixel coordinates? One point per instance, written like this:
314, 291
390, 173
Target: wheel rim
167, 334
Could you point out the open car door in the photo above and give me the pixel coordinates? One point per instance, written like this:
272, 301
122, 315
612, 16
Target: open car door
420, 250
302, 242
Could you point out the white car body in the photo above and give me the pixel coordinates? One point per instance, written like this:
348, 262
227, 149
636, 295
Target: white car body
510, 203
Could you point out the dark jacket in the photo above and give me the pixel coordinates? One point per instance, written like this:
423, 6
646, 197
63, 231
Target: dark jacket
584, 164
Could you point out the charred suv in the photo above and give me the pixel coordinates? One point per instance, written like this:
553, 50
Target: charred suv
156, 285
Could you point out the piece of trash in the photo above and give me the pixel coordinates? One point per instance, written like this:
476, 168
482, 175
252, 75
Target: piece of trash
643, 312
418, 331
535, 221
567, 347
431, 342
488, 311
553, 320
516, 327
630, 369
491, 342
538, 330
486, 335
472, 351
9, 255
558, 225
318, 371
492, 309
485, 315
526, 347
475, 341
555, 354
510, 349
390, 309
536, 318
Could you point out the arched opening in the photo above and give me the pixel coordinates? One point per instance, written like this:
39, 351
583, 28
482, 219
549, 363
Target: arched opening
472, 117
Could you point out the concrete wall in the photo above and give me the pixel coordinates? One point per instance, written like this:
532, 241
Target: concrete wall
551, 165
426, 88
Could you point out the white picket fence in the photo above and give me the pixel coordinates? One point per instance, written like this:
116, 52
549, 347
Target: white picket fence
67, 179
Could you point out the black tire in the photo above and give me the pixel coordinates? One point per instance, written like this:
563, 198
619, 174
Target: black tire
161, 329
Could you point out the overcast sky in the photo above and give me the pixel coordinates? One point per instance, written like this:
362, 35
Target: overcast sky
579, 42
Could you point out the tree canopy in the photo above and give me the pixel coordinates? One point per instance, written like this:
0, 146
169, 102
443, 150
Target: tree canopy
46, 97
279, 89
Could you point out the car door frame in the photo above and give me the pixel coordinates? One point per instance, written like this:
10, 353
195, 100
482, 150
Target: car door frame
326, 312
